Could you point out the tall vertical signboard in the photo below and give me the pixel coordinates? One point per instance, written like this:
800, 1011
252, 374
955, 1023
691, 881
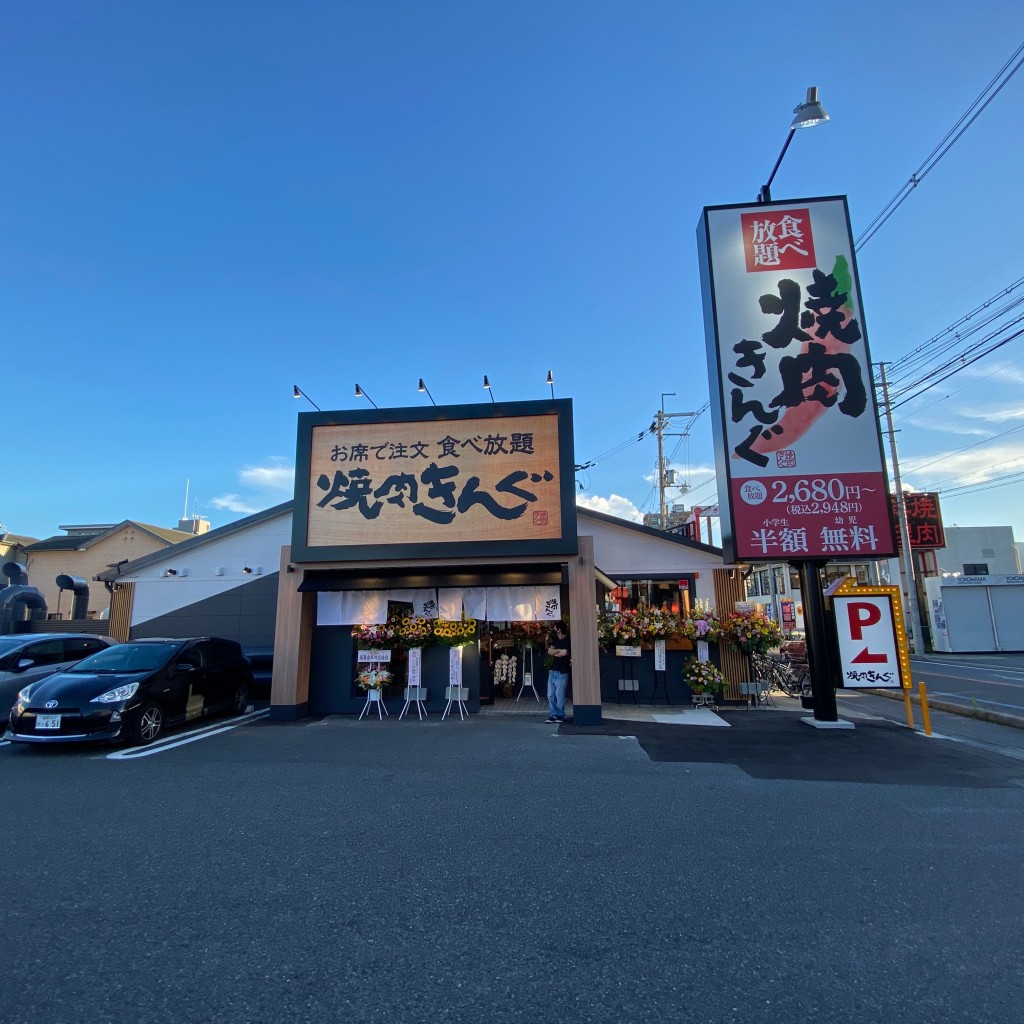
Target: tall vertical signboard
801, 475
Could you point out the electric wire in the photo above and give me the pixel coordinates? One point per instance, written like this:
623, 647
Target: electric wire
958, 391
914, 468
945, 145
964, 363
951, 482
986, 485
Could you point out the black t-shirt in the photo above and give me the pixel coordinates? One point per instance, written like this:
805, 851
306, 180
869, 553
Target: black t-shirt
561, 661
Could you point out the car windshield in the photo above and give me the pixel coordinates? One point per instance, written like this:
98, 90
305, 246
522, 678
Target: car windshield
127, 658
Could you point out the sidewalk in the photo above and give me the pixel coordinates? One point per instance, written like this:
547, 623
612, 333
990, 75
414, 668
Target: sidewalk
861, 707
777, 745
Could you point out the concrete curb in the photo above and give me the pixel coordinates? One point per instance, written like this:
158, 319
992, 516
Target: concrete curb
954, 709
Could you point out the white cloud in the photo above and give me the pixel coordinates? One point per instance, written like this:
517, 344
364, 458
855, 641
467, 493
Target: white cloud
971, 467
272, 481
277, 475
615, 505
945, 426
1002, 413
1004, 374
235, 503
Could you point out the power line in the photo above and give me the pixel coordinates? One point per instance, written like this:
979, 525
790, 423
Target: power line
949, 336
963, 338
988, 94
964, 363
985, 485
951, 481
618, 449
979, 380
960, 451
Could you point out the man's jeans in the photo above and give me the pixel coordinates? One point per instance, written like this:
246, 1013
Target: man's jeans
557, 681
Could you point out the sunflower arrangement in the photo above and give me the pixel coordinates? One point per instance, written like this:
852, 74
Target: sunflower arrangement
703, 676
414, 631
454, 633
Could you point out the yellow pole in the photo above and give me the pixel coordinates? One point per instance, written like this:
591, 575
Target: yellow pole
909, 707
922, 689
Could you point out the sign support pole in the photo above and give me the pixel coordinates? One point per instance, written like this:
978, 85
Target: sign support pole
906, 554
818, 643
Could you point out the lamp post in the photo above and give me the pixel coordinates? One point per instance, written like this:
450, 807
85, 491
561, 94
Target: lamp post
487, 386
423, 387
297, 392
808, 114
360, 393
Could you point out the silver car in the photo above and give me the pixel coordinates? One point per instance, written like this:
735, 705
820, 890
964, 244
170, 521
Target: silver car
26, 657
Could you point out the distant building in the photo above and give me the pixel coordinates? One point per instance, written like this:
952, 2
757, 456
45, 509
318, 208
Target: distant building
979, 551
971, 551
86, 550
12, 549
776, 587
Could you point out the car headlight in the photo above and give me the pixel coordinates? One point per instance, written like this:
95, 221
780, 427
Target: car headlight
26, 694
115, 696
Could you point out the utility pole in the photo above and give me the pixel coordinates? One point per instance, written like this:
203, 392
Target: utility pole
661, 420
907, 577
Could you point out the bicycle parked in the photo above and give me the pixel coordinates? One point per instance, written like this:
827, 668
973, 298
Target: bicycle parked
778, 672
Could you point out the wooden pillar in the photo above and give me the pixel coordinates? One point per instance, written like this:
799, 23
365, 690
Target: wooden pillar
293, 638
586, 672
735, 664
121, 603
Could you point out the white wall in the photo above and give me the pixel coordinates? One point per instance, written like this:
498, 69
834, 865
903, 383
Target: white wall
991, 545
619, 551
976, 613
258, 547
623, 553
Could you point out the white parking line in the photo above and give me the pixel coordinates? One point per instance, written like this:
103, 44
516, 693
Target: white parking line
200, 734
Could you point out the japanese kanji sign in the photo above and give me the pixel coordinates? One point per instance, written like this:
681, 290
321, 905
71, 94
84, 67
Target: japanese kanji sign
410, 483
798, 451
924, 520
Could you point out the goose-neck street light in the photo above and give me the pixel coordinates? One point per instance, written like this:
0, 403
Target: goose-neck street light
360, 393
808, 114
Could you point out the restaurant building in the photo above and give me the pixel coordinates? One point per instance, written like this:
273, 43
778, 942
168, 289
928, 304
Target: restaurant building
460, 514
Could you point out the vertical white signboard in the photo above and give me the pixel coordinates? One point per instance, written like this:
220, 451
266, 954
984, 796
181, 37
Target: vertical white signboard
797, 445
869, 651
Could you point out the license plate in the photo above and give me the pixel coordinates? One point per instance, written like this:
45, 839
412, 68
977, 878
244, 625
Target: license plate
47, 722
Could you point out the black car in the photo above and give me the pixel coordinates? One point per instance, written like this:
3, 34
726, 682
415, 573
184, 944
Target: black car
30, 656
133, 691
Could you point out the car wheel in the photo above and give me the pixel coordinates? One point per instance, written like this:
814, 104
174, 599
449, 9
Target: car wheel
241, 700
148, 725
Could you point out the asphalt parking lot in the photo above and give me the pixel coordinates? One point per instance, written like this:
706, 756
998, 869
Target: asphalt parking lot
502, 870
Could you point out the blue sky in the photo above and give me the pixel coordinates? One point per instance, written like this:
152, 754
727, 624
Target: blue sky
204, 204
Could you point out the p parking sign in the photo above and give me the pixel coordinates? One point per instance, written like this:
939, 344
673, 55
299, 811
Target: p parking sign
873, 650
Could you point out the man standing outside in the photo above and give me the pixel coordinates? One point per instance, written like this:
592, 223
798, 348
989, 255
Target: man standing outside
558, 674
